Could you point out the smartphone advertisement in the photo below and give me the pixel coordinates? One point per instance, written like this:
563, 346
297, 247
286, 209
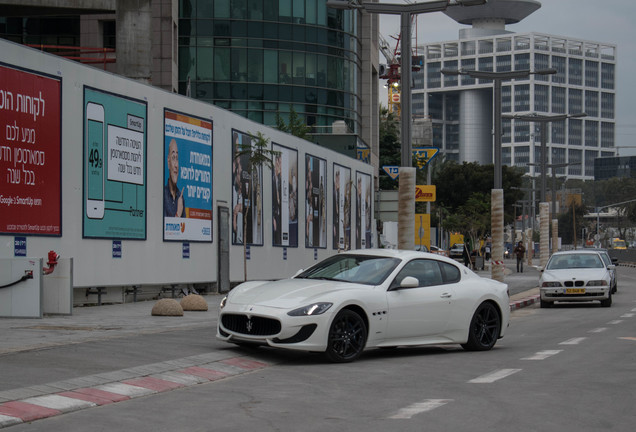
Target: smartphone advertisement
187, 179
30, 153
114, 166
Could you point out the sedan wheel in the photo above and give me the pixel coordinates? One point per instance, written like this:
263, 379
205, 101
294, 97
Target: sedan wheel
347, 337
484, 328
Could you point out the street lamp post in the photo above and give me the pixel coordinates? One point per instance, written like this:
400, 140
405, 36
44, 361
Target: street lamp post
406, 210
497, 203
543, 120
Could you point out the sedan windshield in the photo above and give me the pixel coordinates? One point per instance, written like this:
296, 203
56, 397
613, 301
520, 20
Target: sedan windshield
364, 269
569, 261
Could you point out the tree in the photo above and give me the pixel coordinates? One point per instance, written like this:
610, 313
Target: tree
258, 154
472, 218
295, 124
390, 147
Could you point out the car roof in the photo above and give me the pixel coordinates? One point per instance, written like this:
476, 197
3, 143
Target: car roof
578, 251
398, 253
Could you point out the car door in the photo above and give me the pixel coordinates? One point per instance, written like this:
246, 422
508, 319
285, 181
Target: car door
421, 311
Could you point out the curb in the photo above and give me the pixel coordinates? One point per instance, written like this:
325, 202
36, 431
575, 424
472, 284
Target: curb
525, 302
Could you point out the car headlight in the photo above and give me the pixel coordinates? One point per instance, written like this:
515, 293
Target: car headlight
551, 284
223, 302
312, 309
597, 283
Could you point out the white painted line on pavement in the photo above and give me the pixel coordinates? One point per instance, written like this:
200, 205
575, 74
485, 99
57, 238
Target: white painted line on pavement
125, 389
542, 355
615, 322
60, 403
420, 407
627, 315
598, 330
573, 341
494, 376
634, 310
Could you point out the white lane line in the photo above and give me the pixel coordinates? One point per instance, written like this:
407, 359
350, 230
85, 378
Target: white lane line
542, 355
494, 376
420, 407
627, 315
573, 341
634, 310
60, 403
615, 322
598, 330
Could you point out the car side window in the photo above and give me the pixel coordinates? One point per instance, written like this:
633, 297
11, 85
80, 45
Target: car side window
427, 272
451, 273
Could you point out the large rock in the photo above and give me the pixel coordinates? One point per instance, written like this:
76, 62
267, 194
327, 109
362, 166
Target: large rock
194, 302
167, 307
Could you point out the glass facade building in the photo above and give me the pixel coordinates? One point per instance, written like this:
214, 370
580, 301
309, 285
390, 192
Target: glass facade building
263, 58
461, 107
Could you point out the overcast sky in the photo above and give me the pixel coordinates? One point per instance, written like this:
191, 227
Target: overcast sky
606, 21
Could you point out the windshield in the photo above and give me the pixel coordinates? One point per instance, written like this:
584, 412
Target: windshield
570, 261
364, 269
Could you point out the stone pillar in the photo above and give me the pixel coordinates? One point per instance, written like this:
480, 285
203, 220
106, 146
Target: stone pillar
134, 39
544, 233
497, 229
555, 235
406, 209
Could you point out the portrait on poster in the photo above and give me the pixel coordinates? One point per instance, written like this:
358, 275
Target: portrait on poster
341, 207
315, 202
247, 193
363, 210
284, 196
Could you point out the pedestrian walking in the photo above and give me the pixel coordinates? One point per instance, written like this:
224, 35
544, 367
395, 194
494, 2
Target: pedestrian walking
519, 252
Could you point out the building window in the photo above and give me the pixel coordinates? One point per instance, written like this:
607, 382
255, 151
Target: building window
504, 63
591, 73
591, 133
558, 63
575, 130
558, 100
450, 80
108, 34
522, 61
591, 103
607, 76
574, 159
541, 98
558, 157
522, 97
575, 101
558, 132
433, 71
541, 62
575, 71
607, 105
590, 155
607, 134
468, 64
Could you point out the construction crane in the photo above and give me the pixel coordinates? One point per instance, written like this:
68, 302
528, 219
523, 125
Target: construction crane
391, 73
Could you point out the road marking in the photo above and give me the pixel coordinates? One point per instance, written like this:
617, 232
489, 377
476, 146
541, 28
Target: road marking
494, 376
420, 407
573, 341
628, 338
6, 420
627, 315
634, 310
125, 389
615, 322
542, 355
598, 330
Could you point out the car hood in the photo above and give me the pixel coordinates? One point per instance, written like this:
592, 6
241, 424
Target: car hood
574, 274
288, 293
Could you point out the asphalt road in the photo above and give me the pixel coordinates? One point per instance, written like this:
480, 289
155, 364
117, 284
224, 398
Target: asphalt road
569, 368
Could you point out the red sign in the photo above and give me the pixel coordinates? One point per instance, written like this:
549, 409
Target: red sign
30, 153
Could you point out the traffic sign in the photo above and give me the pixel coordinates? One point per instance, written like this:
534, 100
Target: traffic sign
392, 170
424, 155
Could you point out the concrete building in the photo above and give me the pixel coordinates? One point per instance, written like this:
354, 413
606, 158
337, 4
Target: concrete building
461, 107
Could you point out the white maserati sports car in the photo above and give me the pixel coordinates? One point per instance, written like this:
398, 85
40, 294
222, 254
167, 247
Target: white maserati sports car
365, 299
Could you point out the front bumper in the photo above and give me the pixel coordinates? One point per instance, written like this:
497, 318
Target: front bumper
561, 294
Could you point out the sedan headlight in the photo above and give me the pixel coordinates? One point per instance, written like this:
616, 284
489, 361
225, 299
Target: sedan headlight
551, 284
597, 283
312, 309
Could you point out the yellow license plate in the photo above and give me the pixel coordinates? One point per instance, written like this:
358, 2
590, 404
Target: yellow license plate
575, 291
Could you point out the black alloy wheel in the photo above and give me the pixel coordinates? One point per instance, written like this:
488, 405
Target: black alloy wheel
484, 328
347, 337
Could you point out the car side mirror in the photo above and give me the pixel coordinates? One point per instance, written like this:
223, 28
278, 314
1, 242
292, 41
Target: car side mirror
409, 282
611, 267
614, 260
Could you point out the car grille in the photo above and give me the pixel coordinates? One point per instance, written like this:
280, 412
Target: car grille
577, 283
254, 326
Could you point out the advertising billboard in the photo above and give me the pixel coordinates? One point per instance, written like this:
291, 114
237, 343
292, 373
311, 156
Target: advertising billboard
285, 196
30, 152
247, 193
114, 166
341, 207
315, 202
187, 179
363, 210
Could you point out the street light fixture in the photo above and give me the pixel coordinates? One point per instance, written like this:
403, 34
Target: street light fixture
496, 214
405, 229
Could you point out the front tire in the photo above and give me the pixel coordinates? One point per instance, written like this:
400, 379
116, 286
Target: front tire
347, 337
607, 302
484, 328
